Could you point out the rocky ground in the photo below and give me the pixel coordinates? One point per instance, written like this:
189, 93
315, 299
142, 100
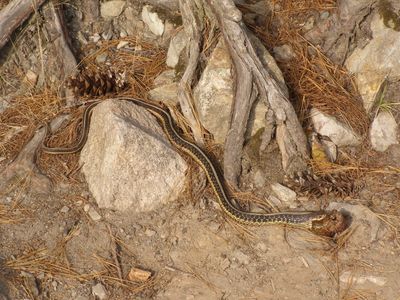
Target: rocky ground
129, 218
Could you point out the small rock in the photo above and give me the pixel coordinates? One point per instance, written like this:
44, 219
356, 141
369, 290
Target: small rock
286, 260
259, 178
348, 277
383, 131
136, 274
169, 30
4, 103
99, 291
107, 35
111, 9
31, 77
324, 15
150, 232
95, 38
30, 282
367, 222
283, 193
304, 261
330, 149
214, 226
284, 53
338, 132
262, 247
93, 214
122, 44
309, 24
64, 209
166, 77
101, 58
202, 203
241, 257
177, 44
81, 38
167, 92
152, 20
225, 264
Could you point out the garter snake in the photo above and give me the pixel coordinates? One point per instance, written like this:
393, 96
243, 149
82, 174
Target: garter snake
320, 222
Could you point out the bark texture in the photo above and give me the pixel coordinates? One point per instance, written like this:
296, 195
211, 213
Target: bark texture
12, 16
192, 21
252, 79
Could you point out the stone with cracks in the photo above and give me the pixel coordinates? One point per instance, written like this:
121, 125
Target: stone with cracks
128, 162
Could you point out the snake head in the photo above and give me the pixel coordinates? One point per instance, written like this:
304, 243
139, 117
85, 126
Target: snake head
330, 223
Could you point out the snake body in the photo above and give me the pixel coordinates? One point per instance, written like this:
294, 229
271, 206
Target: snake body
312, 220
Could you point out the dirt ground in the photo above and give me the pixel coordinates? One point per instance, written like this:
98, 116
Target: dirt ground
191, 251
52, 246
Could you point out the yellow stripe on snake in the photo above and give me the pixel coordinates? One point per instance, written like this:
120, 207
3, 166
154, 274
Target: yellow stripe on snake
320, 222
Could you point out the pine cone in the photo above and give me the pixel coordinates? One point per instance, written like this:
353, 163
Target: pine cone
340, 184
96, 83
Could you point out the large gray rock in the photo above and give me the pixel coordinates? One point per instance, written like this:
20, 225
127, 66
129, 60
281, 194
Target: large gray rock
378, 59
383, 131
214, 94
128, 162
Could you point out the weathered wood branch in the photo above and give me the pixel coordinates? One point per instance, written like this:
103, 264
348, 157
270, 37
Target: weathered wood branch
193, 27
289, 133
65, 59
24, 165
91, 9
13, 15
234, 141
